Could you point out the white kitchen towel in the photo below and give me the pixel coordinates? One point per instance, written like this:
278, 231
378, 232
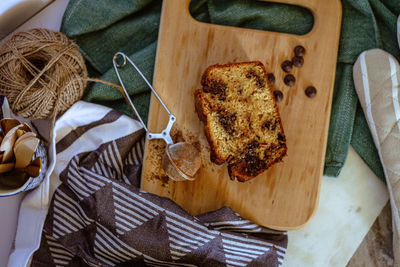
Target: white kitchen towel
35, 205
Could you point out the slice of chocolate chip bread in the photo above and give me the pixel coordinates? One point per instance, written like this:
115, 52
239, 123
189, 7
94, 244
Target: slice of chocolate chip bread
242, 122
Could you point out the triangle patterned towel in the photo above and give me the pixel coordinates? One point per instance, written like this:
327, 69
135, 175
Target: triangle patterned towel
98, 216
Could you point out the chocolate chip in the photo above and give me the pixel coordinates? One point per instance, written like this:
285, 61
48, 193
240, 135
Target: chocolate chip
311, 92
278, 96
289, 80
253, 144
217, 88
281, 137
297, 61
259, 80
270, 125
271, 79
253, 163
299, 51
250, 74
227, 120
287, 66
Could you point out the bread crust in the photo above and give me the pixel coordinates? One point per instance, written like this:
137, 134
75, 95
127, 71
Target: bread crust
200, 110
236, 169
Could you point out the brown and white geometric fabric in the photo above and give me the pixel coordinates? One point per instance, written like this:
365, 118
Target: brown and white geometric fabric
98, 216
377, 81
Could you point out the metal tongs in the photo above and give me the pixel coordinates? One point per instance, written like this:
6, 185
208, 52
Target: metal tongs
182, 160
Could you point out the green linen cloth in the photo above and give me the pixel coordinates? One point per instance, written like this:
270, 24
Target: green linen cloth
101, 28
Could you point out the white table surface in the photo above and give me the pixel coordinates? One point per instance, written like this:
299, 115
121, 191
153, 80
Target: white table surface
348, 205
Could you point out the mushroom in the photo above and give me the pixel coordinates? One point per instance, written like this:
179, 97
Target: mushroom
8, 143
6, 167
23, 137
7, 124
25, 127
33, 170
18, 144
24, 150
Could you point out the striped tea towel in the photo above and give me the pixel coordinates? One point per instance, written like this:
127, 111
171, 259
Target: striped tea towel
377, 82
99, 217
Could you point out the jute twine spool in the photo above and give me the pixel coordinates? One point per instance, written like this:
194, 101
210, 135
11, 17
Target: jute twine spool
42, 73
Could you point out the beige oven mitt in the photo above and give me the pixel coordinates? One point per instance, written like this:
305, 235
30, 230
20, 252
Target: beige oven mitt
376, 77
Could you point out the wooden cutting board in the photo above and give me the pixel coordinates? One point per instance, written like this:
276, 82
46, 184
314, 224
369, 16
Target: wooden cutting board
285, 196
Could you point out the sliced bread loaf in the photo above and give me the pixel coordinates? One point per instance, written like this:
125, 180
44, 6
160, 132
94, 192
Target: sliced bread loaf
242, 122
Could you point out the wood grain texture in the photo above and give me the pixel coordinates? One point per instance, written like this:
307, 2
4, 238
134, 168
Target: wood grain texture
286, 195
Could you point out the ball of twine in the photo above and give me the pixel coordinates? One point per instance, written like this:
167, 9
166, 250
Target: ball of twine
42, 73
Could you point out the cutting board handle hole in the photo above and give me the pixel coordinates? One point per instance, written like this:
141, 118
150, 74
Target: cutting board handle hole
259, 15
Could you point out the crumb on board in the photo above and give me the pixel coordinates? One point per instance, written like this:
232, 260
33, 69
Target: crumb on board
156, 150
154, 159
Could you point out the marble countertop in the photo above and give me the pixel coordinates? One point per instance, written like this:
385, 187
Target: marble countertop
348, 206
377, 247
347, 209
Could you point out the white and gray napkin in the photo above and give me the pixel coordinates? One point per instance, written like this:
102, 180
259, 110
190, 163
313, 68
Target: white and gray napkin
98, 216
